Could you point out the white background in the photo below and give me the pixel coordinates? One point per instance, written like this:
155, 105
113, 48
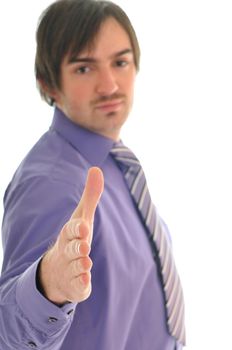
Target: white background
179, 127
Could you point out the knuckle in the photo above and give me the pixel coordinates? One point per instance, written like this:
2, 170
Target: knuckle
81, 287
68, 250
84, 229
84, 280
72, 228
84, 248
77, 248
83, 265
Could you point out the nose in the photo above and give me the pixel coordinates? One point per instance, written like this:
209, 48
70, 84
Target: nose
107, 84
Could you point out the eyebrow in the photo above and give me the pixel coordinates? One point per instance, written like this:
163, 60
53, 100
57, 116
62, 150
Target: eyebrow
93, 60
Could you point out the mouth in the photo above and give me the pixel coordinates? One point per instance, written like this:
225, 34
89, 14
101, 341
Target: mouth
110, 106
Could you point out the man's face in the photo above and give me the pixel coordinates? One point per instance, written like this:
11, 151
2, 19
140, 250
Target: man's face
97, 87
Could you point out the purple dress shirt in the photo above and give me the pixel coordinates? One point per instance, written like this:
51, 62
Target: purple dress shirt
126, 308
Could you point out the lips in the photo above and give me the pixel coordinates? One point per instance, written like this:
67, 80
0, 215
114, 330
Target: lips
109, 106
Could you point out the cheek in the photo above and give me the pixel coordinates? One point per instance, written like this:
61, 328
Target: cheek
130, 81
130, 87
82, 94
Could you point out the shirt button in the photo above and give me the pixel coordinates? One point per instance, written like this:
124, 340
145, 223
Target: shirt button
32, 345
52, 319
70, 312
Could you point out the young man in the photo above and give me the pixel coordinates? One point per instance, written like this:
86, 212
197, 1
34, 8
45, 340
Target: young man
81, 268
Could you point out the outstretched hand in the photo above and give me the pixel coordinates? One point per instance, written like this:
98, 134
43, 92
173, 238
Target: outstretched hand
65, 269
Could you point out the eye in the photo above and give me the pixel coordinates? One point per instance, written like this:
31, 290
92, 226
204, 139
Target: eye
121, 63
82, 70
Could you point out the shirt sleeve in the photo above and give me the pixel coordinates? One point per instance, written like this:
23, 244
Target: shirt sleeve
35, 212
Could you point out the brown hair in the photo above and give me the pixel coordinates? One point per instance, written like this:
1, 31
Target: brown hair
68, 27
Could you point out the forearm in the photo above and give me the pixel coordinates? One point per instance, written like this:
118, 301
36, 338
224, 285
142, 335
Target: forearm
28, 232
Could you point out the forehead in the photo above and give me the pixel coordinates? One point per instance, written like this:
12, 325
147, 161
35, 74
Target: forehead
111, 29
109, 40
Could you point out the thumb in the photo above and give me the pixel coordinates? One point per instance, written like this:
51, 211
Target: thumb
91, 195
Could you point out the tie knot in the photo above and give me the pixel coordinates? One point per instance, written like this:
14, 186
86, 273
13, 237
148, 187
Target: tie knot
123, 155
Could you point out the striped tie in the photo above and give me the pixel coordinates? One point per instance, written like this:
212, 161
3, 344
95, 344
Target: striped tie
158, 237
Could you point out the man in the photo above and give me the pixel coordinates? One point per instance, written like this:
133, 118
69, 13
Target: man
81, 269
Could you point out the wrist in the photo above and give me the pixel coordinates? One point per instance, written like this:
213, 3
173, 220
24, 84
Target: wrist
45, 282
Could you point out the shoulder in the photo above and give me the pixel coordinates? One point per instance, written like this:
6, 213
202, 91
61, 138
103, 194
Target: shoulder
51, 161
51, 173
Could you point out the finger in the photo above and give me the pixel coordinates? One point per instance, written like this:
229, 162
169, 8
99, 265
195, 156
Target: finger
76, 228
91, 195
80, 266
85, 279
80, 288
76, 249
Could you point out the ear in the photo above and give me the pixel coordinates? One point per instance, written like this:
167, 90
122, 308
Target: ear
52, 93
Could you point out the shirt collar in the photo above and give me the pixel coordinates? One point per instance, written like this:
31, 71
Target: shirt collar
93, 147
